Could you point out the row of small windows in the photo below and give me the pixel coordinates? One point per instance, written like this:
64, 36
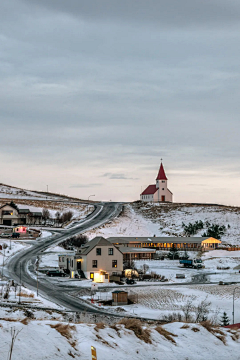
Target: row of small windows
95, 263
99, 251
147, 197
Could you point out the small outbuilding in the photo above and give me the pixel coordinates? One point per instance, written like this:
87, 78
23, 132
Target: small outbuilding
120, 297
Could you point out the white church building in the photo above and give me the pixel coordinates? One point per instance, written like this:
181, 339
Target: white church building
158, 192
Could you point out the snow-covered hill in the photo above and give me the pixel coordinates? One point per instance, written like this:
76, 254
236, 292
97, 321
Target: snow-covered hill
169, 218
12, 192
48, 339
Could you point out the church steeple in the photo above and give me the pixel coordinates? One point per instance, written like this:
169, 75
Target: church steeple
161, 173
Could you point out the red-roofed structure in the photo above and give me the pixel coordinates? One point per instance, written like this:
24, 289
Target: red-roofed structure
150, 190
161, 173
158, 192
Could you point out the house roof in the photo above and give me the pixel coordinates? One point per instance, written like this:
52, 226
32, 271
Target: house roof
171, 240
161, 173
10, 207
36, 213
150, 190
24, 211
128, 250
97, 241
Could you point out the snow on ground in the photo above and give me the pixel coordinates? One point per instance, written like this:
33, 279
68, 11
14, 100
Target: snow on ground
7, 192
168, 218
190, 341
128, 224
16, 246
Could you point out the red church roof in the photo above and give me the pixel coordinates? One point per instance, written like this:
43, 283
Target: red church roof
161, 173
150, 190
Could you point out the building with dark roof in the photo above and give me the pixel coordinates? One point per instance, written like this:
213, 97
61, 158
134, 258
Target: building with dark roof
158, 192
165, 243
98, 260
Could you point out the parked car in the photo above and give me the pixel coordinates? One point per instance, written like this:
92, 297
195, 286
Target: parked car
5, 235
55, 273
130, 281
15, 235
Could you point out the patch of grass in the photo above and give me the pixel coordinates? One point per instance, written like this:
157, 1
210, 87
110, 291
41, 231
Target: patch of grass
26, 295
214, 330
186, 326
195, 329
168, 335
103, 341
136, 326
65, 330
99, 326
25, 321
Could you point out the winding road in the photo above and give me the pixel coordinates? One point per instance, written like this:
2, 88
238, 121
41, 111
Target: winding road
21, 265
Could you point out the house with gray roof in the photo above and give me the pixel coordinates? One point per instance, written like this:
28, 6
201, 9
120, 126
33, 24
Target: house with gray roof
97, 260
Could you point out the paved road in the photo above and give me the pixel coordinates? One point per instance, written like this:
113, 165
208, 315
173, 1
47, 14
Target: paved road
22, 263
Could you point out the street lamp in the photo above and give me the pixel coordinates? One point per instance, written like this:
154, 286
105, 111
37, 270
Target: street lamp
233, 300
88, 200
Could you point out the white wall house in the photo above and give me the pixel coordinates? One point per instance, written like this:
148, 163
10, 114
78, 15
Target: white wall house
158, 192
97, 260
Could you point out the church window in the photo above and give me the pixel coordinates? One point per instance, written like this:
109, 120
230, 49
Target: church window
162, 188
163, 181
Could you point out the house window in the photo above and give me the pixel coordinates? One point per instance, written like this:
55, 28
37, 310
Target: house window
114, 263
110, 251
7, 212
98, 251
94, 263
92, 276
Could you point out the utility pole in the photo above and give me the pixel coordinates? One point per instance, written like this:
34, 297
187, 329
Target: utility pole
37, 264
88, 200
20, 288
234, 290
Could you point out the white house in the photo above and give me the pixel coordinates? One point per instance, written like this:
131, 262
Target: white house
158, 192
98, 259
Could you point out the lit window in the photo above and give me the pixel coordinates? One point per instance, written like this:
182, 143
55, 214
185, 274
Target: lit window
98, 251
94, 263
114, 263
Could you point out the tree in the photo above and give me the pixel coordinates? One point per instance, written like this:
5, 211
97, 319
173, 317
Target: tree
57, 217
224, 319
145, 268
129, 265
202, 310
45, 215
173, 253
75, 241
66, 216
185, 255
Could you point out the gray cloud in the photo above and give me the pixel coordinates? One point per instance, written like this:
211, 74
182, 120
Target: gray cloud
110, 87
118, 176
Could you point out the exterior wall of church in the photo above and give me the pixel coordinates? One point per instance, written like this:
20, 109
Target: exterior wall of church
147, 198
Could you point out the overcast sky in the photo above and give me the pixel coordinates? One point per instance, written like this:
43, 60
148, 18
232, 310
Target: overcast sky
94, 93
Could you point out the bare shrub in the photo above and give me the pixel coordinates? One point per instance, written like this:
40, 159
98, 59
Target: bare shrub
188, 309
168, 335
26, 295
136, 326
173, 317
202, 310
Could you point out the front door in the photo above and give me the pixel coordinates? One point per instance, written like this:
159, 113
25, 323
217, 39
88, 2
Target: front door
163, 198
78, 265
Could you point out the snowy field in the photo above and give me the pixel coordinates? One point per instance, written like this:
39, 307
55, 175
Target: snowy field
67, 341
